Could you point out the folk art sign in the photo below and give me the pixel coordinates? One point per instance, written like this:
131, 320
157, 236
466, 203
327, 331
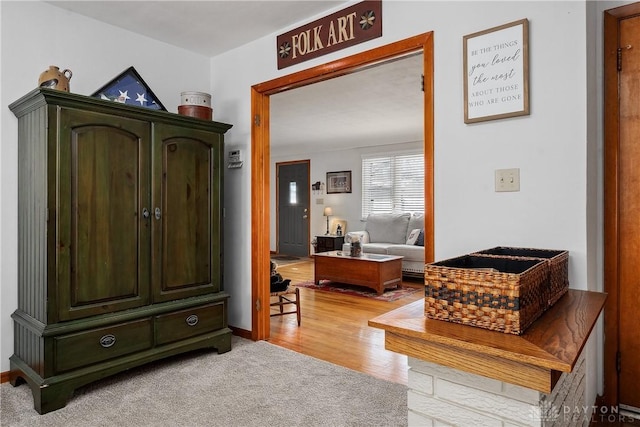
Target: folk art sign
347, 27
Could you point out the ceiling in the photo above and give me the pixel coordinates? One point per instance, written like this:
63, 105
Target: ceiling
206, 27
375, 106
379, 105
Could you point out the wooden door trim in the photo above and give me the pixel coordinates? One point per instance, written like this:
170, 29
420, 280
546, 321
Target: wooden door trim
287, 163
612, 18
260, 156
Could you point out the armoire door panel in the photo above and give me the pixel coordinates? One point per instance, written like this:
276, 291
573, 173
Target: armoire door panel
107, 238
104, 203
189, 222
186, 214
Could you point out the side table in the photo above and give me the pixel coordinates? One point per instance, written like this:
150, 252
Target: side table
329, 242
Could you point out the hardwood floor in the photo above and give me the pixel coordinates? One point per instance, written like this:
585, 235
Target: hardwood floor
334, 327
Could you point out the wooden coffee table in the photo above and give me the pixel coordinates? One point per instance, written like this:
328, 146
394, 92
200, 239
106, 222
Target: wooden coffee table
371, 270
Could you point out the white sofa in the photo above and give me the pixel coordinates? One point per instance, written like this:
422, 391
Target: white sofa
389, 234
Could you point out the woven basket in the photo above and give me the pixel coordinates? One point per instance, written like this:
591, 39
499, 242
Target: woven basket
500, 294
557, 262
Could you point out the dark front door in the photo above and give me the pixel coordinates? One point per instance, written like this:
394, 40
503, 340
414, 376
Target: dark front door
293, 208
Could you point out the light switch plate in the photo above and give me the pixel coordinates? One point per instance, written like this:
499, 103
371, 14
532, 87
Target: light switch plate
507, 180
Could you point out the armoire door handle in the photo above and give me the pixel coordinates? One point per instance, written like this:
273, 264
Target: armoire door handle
158, 213
145, 212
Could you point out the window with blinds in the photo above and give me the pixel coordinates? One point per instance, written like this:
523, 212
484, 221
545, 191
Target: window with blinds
393, 183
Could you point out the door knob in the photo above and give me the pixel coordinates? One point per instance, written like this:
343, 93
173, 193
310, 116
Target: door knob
305, 216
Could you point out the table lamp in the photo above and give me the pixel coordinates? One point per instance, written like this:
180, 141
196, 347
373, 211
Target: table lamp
327, 212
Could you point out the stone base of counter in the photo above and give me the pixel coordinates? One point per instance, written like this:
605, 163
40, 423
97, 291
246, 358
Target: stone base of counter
442, 396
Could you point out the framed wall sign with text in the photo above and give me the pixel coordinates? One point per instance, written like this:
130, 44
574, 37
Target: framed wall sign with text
496, 72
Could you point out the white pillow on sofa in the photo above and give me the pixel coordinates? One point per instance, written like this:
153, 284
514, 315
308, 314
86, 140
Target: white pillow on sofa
416, 221
387, 228
413, 236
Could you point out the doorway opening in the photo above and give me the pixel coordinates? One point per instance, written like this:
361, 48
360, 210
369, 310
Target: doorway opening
260, 155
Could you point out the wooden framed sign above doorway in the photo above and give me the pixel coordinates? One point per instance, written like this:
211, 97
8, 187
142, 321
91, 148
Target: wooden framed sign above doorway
348, 27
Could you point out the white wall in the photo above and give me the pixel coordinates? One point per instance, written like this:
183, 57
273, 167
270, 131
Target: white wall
36, 35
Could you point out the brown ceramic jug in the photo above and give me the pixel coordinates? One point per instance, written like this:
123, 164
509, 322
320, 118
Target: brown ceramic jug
53, 78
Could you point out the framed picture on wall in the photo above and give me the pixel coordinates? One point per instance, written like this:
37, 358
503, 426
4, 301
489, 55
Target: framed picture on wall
339, 182
496, 72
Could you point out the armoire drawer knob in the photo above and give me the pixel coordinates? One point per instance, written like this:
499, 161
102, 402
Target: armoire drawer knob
192, 320
107, 341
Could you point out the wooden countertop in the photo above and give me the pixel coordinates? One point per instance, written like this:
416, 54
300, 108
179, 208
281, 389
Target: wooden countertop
535, 359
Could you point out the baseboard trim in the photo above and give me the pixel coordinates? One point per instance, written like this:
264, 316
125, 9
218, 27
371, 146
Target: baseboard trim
4, 377
242, 333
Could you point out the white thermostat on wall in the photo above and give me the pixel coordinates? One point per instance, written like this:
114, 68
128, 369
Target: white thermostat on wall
235, 159
235, 156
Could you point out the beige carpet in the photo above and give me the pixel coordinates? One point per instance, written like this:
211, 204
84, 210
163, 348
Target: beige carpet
255, 384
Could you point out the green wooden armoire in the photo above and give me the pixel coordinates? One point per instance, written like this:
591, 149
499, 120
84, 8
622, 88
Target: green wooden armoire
119, 240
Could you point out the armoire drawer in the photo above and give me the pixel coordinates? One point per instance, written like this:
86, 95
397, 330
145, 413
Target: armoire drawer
188, 323
97, 345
